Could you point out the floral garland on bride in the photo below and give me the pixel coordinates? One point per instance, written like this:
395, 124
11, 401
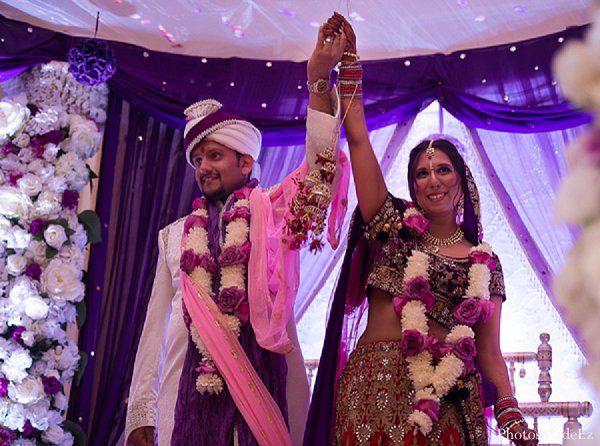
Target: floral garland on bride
230, 269
434, 367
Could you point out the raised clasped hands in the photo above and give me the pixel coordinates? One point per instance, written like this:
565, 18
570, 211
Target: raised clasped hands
521, 435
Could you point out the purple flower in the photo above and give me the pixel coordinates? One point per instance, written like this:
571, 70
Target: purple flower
417, 223
468, 312
432, 345
195, 221
51, 385
418, 288
37, 147
17, 334
6, 436
412, 343
235, 255
28, 429
70, 199
399, 302
430, 407
37, 226
13, 177
243, 312
9, 148
465, 349
230, 298
3, 387
53, 136
92, 61
484, 258
199, 203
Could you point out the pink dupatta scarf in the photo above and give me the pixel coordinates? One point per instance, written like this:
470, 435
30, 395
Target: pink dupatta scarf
245, 386
273, 268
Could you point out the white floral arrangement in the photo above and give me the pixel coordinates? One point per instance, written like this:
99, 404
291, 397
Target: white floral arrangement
577, 286
46, 133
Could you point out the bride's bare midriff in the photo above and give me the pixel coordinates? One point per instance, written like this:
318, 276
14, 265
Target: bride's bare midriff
384, 325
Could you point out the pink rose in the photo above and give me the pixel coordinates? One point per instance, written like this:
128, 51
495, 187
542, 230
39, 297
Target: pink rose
417, 223
205, 368
399, 302
207, 262
230, 298
236, 212
243, 193
468, 312
465, 349
430, 407
187, 262
199, 203
432, 345
235, 255
483, 258
243, 312
194, 221
418, 288
487, 309
412, 343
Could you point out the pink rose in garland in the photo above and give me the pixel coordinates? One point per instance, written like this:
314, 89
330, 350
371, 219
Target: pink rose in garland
412, 343
399, 302
195, 221
430, 407
483, 258
199, 203
414, 220
468, 312
465, 349
418, 288
235, 255
230, 298
487, 309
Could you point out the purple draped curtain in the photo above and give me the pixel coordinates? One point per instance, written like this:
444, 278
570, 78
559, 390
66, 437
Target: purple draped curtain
144, 184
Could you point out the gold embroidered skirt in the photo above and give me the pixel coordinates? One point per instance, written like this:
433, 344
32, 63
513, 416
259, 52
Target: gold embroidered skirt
375, 397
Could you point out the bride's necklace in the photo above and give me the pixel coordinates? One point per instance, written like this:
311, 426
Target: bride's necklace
435, 243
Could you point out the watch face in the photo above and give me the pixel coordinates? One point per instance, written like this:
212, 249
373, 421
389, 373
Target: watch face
319, 86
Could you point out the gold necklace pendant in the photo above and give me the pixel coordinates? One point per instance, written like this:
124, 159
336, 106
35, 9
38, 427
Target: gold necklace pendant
435, 243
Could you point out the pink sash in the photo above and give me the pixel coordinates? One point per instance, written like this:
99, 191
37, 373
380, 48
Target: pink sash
247, 390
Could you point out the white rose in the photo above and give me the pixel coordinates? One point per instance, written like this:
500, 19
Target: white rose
22, 290
15, 365
43, 170
79, 237
83, 142
55, 236
51, 152
25, 156
37, 414
57, 184
30, 184
12, 117
28, 338
60, 401
15, 418
28, 391
56, 435
16, 264
62, 280
47, 205
18, 238
22, 140
35, 307
36, 251
14, 203
98, 115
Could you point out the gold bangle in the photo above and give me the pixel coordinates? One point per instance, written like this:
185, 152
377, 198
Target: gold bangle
348, 53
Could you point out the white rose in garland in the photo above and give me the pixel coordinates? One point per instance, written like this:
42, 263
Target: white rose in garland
15, 264
30, 184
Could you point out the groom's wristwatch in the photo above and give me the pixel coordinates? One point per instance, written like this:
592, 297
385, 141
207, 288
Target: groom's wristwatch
319, 86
